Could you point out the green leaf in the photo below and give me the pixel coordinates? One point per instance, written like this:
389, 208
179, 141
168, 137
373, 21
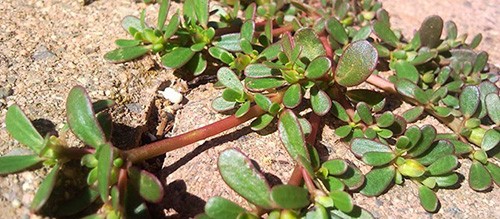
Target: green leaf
104, 167
443, 165
292, 96
479, 177
378, 180
172, 26
424, 55
310, 43
409, 89
362, 34
262, 101
45, 189
271, 52
290, 197
221, 105
258, 70
318, 67
494, 171
342, 201
13, 164
357, 212
373, 98
476, 41
360, 146
291, 134
101, 105
493, 107
162, 14
197, 64
240, 174
148, 186
485, 88
343, 131
335, 167
261, 84
469, 100
247, 30
261, 122
134, 207
430, 31
438, 149
83, 199
81, 118
353, 178
338, 111
130, 21
411, 168
442, 111
320, 101
356, 64
21, 129
375, 158
363, 111
127, 43
126, 53
428, 199
446, 180
229, 79
461, 148
413, 133
229, 42
451, 30
336, 30
385, 120
189, 11
384, 32
243, 109
491, 139
218, 207
177, 58
333, 183
406, 70
201, 11
428, 137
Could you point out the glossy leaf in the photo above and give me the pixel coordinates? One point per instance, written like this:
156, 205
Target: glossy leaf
343, 131
221, 105
371, 97
130, 21
438, 149
310, 43
446, 180
104, 167
360, 146
362, 34
259, 71
333, 183
335, 167
290, 197
469, 100
148, 186
338, 111
479, 177
430, 31
384, 32
292, 96
243, 109
177, 58
342, 201
485, 88
411, 168
356, 64
378, 180
241, 175
428, 199
162, 14
21, 129
45, 189
172, 26
356, 212
428, 136
461, 147
443, 165
261, 122
363, 111
336, 30
424, 55
494, 172
409, 89
229, 42
126, 53
81, 118
291, 134
493, 107
13, 164
353, 178
385, 120
260, 84
218, 207
491, 140
406, 70
375, 158
318, 67
201, 11
197, 64
320, 102
229, 79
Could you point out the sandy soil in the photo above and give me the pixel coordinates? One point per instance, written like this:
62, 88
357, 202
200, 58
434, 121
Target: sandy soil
46, 47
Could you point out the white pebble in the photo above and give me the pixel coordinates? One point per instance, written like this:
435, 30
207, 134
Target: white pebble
172, 95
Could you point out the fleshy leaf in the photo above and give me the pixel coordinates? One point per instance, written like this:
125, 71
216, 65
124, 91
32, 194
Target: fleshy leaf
446, 180
197, 64
126, 53
428, 199
375, 158
428, 136
353, 178
104, 167
292, 96
494, 171
162, 14
443, 165
229, 79
438, 149
260, 84
356, 63
378, 180
259, 71
430, 31
45, 189
320, 101
81, 118
229, 42
384, 32
241, 175
409, 89
291, 134
318, 67
13, 164
343, 131
201, 11
221, 105
385, 120
127, 43
218, 207
261, 122
406, 70
338, 111
148, 186
491, 139
172, 26
479, 177
363, 111
310, 43
469, 100
83, 199
336, 30
290, 197
130, 21
493, 107
359, 146
342, 201
356, 212
243, 109
21, 129
335, 167
177, 58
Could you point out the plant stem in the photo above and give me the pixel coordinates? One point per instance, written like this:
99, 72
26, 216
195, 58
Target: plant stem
163, 146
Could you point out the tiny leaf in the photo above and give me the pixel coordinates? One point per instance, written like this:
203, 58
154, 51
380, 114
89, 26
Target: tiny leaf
21, 129
148, 186
293, 96
45, 189
320, 102
428, 199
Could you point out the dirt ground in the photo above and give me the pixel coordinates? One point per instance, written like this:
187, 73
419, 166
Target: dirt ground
47, 47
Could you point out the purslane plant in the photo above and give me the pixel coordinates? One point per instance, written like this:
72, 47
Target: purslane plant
275, 60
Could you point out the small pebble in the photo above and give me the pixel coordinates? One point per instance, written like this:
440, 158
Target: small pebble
16, 203
171, 95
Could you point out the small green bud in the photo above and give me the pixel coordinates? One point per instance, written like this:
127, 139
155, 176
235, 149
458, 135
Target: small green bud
476, 135
274, 215
428, 78
157, 47
118, 162
429, 182
288, 214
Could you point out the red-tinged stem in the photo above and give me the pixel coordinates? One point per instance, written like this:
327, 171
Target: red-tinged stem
163, 146
326, 45
281, 30
309, 183
382, 84
296, 177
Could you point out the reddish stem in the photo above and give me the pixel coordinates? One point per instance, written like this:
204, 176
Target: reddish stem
296, 177
309, 183
281, 30
326, 45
